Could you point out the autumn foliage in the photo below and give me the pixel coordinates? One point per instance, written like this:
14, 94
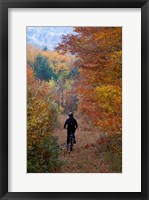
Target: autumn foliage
99, 88
82, 75
41, 118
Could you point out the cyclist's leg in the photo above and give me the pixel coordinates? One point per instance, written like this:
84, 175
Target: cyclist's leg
74, 138
67, 137
71, 141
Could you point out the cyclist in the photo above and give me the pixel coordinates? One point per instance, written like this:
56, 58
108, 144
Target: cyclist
71, 125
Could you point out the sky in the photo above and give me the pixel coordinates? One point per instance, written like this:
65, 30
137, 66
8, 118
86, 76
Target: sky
46, 36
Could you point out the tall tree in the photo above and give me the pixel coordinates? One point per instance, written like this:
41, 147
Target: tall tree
99, 57
42, 68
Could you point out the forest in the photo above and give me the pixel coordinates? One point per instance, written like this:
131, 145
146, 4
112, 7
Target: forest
83, 75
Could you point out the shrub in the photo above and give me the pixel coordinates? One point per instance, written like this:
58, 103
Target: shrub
43, 157
110, 147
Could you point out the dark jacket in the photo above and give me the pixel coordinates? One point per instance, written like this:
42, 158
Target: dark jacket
71, 124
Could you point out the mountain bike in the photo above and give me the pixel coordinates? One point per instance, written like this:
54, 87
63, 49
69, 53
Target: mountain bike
71, 142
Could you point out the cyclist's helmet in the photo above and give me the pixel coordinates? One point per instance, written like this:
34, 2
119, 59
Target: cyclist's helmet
70, 114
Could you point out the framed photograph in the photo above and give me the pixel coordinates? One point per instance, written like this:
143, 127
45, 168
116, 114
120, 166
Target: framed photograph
74, 93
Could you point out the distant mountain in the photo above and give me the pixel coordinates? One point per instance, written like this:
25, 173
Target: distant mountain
46, 36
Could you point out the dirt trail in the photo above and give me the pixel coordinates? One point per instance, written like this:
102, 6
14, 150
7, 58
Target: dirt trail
85, 157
